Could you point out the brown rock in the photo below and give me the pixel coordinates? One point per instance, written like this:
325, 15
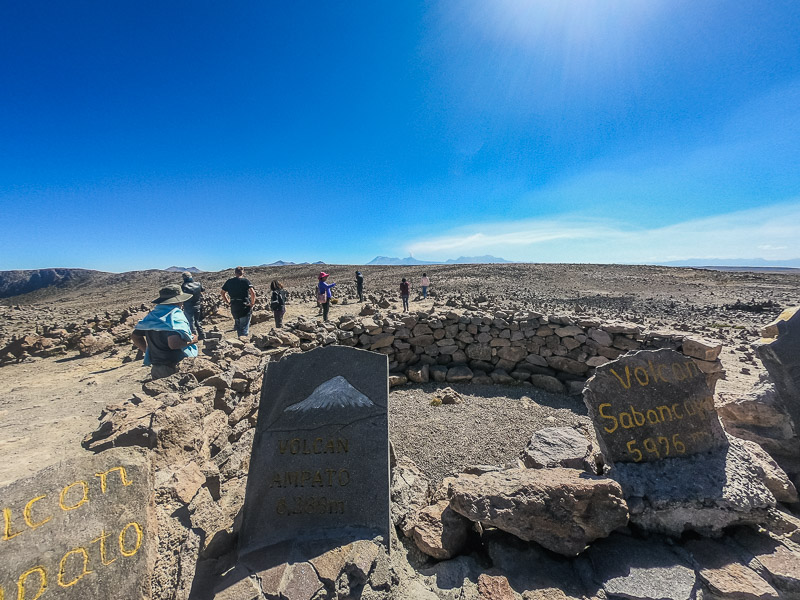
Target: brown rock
771, 330
721, 569
184, 482
771, 474
439, 531
301, 582
200, 367
495, 587
127, 424
271, 580
702, 349
449, 396
90, 345
560, 509
780, 562
330, 564
410, 491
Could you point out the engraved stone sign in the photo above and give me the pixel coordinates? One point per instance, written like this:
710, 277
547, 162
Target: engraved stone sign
650, 405
80, 529
781, 358
320, 462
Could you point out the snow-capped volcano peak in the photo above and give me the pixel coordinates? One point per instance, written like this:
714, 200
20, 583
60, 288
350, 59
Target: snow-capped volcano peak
334, 393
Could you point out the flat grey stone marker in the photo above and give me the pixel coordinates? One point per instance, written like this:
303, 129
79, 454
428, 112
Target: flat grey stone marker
650, 405
81, 529
320, 463
781, 358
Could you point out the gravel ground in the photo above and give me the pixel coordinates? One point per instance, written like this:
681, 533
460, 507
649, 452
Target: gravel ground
491, 427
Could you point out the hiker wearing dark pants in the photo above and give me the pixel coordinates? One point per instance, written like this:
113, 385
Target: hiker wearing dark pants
324, 294
239, 294
360, 286
191, 308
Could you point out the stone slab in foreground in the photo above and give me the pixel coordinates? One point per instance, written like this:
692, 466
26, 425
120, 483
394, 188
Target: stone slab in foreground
320, 463
560, 509
651, 405
80, 529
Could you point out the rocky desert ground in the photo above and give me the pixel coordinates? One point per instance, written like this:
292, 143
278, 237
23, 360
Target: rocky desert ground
64, 358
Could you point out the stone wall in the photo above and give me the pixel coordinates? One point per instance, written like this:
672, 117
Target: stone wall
553, 352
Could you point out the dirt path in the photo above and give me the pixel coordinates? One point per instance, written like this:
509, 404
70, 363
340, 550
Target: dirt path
47, 406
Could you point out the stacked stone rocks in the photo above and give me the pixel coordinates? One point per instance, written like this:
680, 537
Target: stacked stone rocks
555, 353
199, 426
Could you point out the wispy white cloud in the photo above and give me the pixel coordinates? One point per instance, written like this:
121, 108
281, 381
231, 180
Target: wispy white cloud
769, 232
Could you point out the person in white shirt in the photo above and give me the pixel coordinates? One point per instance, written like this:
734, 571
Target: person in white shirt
425, 282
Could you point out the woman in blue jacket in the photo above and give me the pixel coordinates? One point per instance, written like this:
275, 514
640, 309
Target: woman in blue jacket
324, 294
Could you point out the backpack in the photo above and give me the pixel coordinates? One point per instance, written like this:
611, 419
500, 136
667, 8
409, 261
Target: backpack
195, 290
278, 300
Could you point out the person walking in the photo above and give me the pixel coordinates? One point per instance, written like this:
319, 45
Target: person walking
192, 307
404, 293
324, 294
277, 302
240, 295
425, 283
164, 334
360, 286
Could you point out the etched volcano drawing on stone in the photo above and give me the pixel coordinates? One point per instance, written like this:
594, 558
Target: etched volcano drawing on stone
334, 402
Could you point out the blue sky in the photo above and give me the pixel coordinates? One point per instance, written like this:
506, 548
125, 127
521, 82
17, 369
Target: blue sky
141, 134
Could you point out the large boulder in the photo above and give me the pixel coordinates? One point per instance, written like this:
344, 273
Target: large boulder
759, 415
771, 474
704, 492
90, 345
560, 509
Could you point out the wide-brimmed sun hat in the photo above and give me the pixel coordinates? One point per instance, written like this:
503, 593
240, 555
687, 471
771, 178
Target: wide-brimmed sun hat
171, 295
322, 274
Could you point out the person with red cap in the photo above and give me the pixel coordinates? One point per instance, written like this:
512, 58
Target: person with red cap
324, 294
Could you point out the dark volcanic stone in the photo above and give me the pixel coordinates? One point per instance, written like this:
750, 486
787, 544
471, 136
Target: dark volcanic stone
81, 529
782, 359
320, 462
651, 405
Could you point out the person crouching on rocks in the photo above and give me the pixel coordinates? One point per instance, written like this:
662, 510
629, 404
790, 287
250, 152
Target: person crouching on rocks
164, 334
324, 294
405, 292
277, 301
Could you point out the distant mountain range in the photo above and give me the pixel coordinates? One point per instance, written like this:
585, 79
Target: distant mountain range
286, 263
461, 260
182, 269
792, 263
